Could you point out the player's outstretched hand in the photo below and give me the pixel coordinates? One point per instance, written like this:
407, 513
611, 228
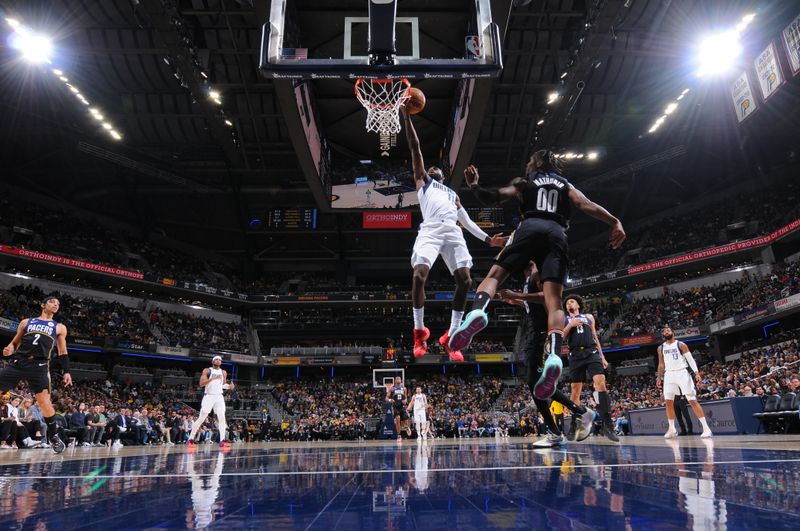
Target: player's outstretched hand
8, 350
498, 240
67, 379
471, 175
617, 236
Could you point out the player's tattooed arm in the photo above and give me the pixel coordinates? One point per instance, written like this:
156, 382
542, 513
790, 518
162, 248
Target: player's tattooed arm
590, 208
661, 368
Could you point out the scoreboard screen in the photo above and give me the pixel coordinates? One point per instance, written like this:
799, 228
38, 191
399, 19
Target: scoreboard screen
487, 218
292, 218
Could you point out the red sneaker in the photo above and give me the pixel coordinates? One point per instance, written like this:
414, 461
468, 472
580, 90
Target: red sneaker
191, 446
420, 342
444, 341
225, 445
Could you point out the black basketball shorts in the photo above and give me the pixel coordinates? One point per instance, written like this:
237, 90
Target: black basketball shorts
586, 366
542, 240
400, 411
36, 372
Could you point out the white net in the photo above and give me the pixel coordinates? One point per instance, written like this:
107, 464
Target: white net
382, 99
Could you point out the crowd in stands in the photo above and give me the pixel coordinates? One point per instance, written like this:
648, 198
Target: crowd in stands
705, 305
189, 331
763, 212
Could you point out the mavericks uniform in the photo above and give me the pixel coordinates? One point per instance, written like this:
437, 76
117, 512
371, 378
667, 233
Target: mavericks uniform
419, 409
31, 361
213, 399
677, 378
439, 233
542, 235
585, 361
398, 397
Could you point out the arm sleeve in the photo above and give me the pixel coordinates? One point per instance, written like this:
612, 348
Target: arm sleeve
470, 225
690, 361
486, 197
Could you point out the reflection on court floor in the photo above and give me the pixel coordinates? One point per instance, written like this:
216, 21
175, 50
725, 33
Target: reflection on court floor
642, 483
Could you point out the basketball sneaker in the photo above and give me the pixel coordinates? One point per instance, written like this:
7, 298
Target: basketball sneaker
224, 444
474, 322
444, 341
420, 342
191, 446
706, 434
585, 425
550, 441
671, 433
57, 444
608, 431
546, 384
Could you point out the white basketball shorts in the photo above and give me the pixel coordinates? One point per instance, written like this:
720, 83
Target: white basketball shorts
419, 416
441, 238
679, 382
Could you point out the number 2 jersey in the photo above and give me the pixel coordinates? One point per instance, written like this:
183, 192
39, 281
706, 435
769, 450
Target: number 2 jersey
546, 196
38, 339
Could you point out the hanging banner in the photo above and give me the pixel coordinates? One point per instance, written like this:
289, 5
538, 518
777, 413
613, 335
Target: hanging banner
768, 71
742, 94
791, 39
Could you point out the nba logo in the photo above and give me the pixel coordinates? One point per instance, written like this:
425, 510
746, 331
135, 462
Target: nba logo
473, 46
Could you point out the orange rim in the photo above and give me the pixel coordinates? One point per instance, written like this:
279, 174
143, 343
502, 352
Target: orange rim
368, 103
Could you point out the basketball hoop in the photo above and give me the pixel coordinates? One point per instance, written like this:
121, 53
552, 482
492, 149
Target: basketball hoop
382, 99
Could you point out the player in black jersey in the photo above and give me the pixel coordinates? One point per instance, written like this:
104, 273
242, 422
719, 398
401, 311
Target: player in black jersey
30, 351
586, 360
546, 199
398, 394
532, 300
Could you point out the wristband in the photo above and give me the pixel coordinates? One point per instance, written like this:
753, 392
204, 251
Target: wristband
64, 363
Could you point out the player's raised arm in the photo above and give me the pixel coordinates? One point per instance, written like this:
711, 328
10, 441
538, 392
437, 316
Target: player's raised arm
590, 208
15, 342
491, 196
417, 164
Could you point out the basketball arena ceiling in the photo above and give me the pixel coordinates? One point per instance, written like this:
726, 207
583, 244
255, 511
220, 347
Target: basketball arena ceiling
200, 168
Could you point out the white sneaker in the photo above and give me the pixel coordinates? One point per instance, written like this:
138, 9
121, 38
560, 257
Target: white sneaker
671, 433
86, 444
706, 434
117, 444
550, 441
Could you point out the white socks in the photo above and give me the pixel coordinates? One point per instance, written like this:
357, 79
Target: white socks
703, 422
455, 321
419, 318
672, 424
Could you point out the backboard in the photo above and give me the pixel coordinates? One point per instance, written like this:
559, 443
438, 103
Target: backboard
380, 39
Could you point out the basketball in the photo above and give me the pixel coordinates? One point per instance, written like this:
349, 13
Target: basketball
416, 101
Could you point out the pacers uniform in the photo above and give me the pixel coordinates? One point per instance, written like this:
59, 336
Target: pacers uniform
398, 399
31, 361
542, 234
439, 233
585, 361
419, 409
677, 378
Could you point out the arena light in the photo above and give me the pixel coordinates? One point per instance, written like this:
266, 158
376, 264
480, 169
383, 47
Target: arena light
540, 122
552, 97
115, 135
670, 108
746, 20
34, 48
718, 53
58, 72
592, 155
228, 123
14, 23
107, 126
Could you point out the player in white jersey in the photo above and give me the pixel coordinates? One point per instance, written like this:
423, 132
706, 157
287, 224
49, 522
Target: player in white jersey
439, 235
205, 490
674, 362
420, 403
214, 381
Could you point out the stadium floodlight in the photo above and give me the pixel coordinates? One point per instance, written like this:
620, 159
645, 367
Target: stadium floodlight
552, 97
114, 134
718, 53
540, 122
671, 108
58, 72
228, 123
34, 48
97, 116
106, 126
14, 23
592, 155
213, 94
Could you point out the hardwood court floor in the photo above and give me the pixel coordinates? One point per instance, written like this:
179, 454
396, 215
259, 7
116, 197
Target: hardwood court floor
730, 482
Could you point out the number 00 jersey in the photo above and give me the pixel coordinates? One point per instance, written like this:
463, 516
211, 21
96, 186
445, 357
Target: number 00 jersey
546, 195
39, 339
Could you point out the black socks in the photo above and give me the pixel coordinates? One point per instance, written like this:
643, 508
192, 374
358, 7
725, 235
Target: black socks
604, 406
482, 300
561, 398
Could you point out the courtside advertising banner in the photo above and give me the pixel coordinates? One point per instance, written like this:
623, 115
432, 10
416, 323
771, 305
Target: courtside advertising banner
386, 220
791, 39
742, 94
768, 71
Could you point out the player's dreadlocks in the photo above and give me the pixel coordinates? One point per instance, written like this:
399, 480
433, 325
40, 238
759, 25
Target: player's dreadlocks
550, 163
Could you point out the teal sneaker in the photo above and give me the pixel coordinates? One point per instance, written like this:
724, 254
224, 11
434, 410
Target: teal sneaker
474, 322
546, 385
